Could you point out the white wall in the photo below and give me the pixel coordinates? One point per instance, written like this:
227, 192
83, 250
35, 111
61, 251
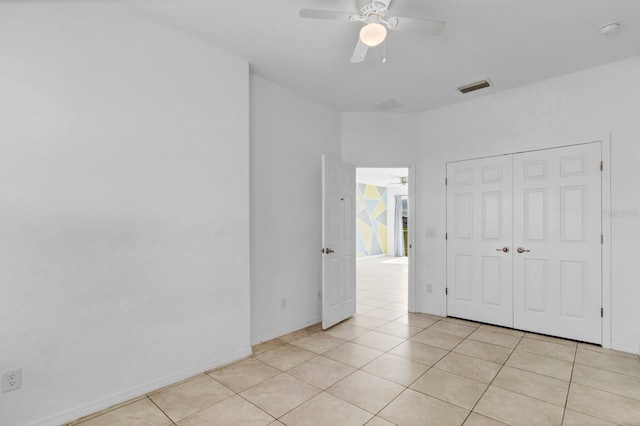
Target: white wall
122, 268
380, 139
289, 134
574, 108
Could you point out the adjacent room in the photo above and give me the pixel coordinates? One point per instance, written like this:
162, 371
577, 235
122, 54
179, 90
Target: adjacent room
320, 212
382, 242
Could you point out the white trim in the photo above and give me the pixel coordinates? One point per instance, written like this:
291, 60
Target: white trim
137, 391
446, 240
606, 246
284, 330
561, 144
412, 296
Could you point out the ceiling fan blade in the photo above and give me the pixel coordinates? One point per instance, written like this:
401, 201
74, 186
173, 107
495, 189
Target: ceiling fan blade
423, 26
326, 14
360, 52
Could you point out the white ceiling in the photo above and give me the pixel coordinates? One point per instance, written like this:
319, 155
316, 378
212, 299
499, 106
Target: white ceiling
380, 176
510, 42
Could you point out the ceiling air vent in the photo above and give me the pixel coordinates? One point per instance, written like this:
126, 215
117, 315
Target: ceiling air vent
474, 86
388, 105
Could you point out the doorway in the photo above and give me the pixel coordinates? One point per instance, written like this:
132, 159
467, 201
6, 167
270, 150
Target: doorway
384, 231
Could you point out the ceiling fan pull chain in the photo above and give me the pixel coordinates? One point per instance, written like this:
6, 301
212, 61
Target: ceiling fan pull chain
384, 52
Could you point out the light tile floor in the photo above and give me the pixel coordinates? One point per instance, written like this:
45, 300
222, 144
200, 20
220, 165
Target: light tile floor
406, 369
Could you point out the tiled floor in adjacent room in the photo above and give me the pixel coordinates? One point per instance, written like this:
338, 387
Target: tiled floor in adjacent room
385, 366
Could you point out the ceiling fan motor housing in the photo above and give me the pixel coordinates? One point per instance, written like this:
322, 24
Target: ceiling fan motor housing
377, 8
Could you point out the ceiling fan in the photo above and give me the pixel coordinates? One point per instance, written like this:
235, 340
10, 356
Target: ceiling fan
375, 15
403, 181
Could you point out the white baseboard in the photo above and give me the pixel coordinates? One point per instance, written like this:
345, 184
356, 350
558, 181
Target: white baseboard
628, 348
125, 395
435, 312
282, 331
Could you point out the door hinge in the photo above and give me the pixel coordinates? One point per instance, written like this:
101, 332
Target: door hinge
446, 235
446, 181
601, 312
601, 165
601, 238
446, 291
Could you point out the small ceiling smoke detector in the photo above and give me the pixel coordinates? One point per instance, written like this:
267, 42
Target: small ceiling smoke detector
610, 28
474, 86
388, 105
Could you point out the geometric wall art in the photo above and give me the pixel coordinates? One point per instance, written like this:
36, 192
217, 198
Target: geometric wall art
371, 220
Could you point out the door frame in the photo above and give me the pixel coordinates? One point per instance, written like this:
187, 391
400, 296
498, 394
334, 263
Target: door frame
605, 147
411, 194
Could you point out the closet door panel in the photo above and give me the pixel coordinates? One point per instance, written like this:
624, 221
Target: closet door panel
557, 224
479, 272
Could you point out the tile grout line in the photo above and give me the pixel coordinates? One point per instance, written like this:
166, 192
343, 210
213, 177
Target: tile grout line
364, 365
533, 372
635, 357
348, 375
523, 336
492, 380
433, 366
325, 390
429, 369
273, 417
566, 400
173, 422
207, 407
474, 405
569, 382
606, 391
608, 370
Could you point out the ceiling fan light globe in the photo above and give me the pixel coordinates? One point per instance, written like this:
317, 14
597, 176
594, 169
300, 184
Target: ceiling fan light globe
373, 34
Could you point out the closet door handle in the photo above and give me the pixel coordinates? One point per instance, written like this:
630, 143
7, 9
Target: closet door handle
504, 249
522, 250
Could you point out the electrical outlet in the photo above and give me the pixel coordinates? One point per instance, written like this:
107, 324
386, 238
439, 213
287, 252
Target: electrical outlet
429, 288
283, 303
11, 380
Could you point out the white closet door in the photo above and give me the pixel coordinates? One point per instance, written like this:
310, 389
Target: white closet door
479, 262
557, 221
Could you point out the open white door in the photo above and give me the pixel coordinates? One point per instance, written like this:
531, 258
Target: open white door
338, 241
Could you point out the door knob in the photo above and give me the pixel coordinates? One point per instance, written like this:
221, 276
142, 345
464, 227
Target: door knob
327, 251
522, 250
504, 249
